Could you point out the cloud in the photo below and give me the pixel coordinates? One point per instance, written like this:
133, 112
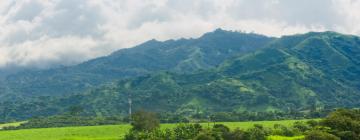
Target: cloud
47, 33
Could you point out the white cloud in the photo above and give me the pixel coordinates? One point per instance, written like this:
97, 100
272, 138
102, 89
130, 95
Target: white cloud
44, 33
66, 50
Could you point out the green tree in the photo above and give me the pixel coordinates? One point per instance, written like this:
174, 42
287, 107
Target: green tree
301, 126
187, 131
144, 121
237, 134
75, 110
344, 123
256, 133
205, 136
320, 135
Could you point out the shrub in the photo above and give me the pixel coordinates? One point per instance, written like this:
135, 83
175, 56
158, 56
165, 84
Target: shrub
319, 135
144, 121
204, 136
301, 126
237, 134
282, 130
186, 131
256, 133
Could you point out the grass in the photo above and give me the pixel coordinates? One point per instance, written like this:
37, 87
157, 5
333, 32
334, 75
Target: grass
11, 124
115, 132
285, 138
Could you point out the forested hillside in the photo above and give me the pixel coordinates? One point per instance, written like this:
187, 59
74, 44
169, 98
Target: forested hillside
240, 72
181, 56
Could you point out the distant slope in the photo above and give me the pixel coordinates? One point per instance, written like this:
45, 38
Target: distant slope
182, 56
293, 73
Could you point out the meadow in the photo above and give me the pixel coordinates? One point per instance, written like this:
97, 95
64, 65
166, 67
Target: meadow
115, 132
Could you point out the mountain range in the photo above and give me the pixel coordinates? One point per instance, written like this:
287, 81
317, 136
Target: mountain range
222, 71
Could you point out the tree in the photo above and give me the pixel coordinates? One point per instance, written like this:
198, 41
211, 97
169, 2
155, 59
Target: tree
301, 126
75, 110
186, 131
283, 130
256, 133
344, 123
144, 121
237, 134
204, 136
319, 135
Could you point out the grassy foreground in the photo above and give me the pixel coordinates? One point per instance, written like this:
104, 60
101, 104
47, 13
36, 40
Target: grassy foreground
115, 132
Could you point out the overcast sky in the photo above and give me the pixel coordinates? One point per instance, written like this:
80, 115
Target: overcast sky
43, 33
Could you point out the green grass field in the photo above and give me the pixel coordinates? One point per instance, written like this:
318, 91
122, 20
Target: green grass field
114, 132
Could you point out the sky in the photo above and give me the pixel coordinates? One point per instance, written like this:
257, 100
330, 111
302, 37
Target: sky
48, 33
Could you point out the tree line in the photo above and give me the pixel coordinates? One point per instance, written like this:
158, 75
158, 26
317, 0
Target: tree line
341, 124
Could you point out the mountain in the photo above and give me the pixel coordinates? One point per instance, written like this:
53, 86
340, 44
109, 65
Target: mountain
298, 72
181, 56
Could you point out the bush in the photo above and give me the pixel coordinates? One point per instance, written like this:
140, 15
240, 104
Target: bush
237, 134
144, 121
344, 123
312, 123
187, 131
301, 126
208, 135
204, 136
319, 135
282, 130
256, 133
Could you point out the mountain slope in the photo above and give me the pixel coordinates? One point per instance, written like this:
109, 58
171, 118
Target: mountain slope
181, 56
312, 72
300, 72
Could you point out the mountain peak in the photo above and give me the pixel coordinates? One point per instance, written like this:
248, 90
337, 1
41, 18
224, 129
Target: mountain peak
219, 30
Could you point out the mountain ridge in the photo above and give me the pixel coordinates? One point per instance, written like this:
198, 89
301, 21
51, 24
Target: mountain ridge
145, 58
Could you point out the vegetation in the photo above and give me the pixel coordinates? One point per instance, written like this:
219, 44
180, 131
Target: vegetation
340, 124
14, 124
183, 55
222, 76
63, 121
197, 132
144, 121
197, 78
113, 132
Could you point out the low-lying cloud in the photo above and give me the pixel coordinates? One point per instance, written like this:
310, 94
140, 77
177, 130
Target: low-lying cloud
46, 33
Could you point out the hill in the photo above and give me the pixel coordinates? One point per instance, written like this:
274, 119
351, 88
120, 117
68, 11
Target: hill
303, 72
182, 56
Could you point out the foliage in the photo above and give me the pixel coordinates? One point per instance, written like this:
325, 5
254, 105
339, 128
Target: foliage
183, 55
114, 132
186, 131
319, 135
257, 133
344, 123
65, 121
144, 121
222, 76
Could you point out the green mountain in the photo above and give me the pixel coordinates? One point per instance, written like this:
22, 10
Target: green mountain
181, 56
299, 72
293, 73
